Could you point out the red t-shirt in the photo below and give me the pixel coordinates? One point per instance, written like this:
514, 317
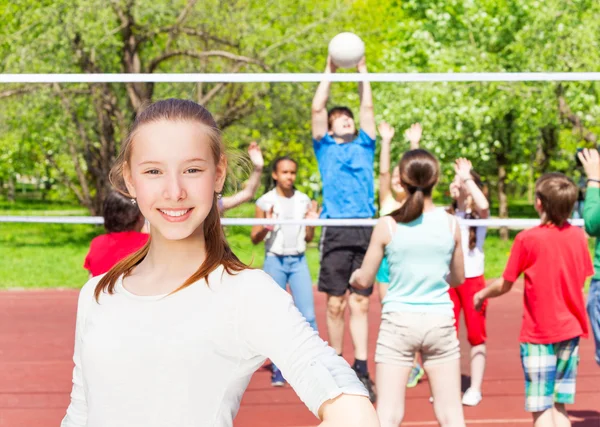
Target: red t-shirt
108, 249
556, 262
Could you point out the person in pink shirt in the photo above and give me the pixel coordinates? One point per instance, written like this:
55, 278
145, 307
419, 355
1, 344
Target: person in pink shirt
555, 261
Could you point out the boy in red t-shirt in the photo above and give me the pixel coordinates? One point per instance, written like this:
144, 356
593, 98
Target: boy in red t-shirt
123, 222
555, 261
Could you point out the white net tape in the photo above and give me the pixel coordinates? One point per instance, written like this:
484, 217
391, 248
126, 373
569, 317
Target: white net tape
514, 223
296, 77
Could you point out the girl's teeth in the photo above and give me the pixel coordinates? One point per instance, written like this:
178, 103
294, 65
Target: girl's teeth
175, 213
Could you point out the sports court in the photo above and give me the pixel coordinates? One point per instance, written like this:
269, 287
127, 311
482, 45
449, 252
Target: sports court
35, 367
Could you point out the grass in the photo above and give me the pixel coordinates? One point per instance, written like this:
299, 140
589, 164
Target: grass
52, 255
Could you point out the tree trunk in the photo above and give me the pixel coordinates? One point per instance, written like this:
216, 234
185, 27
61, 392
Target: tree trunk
502, 199
11, 189
547, 148
530, 185
504, 134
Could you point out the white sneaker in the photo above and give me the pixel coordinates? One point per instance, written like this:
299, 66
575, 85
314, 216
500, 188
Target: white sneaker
471, 397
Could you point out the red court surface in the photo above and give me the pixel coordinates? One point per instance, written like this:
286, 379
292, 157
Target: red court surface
36, 342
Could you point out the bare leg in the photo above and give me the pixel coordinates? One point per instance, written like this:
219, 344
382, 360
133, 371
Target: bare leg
544, 418
561, 418
335, 321
391, 393
359, 324
444, 379
478, 355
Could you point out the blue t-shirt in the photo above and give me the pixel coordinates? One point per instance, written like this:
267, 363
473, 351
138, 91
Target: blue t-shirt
347, 175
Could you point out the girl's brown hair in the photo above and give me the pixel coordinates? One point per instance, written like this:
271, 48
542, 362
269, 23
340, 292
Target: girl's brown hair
419, 172
217, 249
473, 214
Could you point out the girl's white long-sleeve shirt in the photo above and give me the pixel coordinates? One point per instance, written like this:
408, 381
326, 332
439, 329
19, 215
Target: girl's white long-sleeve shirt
186, 359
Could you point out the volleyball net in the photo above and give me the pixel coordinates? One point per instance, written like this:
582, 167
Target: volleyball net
513, 223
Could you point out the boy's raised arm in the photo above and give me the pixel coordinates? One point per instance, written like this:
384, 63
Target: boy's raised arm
319, 105
367, 111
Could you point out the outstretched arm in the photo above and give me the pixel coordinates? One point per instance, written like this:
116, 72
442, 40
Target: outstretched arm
591, 209
463, 168
253, 182
367, 111
385, 177
320, 126
498, 288
364, 276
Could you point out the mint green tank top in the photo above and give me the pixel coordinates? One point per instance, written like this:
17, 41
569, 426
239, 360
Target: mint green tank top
419, 258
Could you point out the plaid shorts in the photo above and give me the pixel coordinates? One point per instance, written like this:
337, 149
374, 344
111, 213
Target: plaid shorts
550, 371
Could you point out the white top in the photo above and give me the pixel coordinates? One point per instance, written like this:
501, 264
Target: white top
474, 258
278, 241
185, 359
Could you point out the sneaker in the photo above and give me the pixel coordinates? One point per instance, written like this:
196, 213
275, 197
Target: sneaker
471, 397
416, 374
277, 379
368, 383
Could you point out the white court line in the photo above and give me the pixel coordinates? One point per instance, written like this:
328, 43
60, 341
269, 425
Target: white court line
507, 421
294, 77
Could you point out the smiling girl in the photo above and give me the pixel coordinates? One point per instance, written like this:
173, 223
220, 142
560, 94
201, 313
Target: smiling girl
172, 334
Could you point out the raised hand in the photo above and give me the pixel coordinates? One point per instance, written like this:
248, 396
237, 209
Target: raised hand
590, 159
256, 155
413, 134
331, 67
463, 167
362, 65
386, 131
313, 211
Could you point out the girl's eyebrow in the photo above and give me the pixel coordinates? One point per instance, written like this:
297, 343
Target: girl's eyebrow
195, 159
155, 162
149, 162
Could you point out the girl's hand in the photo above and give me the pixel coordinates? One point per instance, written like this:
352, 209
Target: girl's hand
454, 190
463, 167
590, 159
256, 155
352, 280
268, 215
386, 131
313, 211
413, 134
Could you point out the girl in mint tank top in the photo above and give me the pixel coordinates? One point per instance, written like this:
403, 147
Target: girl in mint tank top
423, 246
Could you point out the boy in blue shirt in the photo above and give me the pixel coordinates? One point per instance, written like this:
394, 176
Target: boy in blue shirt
345, 155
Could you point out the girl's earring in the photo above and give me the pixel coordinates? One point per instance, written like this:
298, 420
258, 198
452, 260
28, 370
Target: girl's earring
219, 195
133, 202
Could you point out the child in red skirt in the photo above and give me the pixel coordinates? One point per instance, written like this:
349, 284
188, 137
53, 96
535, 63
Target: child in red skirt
471, 203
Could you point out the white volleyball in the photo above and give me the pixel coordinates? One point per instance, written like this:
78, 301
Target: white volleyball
346, 49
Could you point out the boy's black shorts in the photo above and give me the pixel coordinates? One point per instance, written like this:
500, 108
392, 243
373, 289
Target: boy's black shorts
342, 251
